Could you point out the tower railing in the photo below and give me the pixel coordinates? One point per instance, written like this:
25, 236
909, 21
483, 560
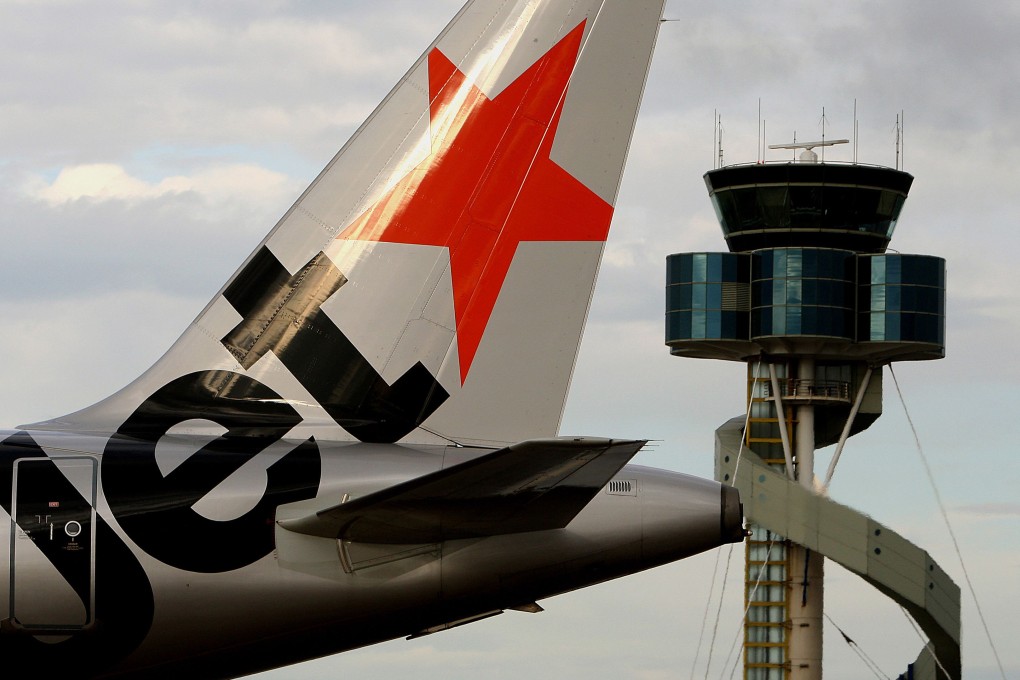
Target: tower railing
800, 391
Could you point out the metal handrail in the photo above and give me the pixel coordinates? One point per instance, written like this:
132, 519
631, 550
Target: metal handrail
798, 388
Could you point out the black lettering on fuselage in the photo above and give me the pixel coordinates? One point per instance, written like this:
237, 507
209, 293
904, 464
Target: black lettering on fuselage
282, 314
156, 510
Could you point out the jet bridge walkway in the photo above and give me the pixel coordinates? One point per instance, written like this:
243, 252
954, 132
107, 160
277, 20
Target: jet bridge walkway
892, 564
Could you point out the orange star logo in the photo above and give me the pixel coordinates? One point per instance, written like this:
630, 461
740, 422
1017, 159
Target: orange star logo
489, 184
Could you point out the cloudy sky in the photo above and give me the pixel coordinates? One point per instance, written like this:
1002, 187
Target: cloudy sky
145, 148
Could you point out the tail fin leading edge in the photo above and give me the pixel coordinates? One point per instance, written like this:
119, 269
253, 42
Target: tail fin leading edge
432, 283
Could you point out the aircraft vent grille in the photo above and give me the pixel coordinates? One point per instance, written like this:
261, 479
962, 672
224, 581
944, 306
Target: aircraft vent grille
622, 487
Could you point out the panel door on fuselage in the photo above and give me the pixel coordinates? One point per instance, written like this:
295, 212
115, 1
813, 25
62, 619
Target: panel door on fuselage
53, 543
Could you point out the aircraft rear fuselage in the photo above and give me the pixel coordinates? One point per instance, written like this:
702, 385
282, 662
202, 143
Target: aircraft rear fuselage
102, 583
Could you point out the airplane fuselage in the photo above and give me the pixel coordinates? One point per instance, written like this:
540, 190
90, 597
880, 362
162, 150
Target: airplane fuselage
186, 569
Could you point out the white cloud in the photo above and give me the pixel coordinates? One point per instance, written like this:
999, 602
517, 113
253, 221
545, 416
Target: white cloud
111, 182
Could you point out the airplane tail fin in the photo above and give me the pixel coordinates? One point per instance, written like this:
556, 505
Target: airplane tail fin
432, 283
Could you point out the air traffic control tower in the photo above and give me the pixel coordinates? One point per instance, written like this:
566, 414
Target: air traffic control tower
809, 298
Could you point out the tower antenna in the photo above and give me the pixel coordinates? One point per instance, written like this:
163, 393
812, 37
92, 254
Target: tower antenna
759, 150
855, 131
823, 134
719, 161
897, 141
715, 138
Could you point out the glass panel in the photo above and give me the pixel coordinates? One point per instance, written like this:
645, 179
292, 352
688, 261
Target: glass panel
778, 291
810, 258
699, 266
893, 268
793, 292
878, 298
895, 297
814, 321
793, 321
714, 296
723, 206
678, 326
774, 206
928, 299
778, 321
779, 262
877, 269
698, 325
676, 272
806, 206
746, 203
714, 272
699, 295
876, 327
892, 326
809, 291
728, 327
794, 262
714, 324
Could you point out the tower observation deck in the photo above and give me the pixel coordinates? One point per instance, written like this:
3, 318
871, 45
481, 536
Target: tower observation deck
809, 297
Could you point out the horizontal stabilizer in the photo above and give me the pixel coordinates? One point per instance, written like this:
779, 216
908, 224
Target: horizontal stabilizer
531, 486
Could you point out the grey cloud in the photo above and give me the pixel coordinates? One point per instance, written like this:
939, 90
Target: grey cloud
992, 509
87, 247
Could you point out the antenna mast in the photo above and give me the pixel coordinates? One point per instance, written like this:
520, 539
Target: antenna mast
719, 161
761, 149
855, 131
897, 141
823, 134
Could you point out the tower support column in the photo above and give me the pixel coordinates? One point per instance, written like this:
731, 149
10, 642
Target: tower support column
805, 640
806, 568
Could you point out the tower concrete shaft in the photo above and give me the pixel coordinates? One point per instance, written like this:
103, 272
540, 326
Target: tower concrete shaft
807, 569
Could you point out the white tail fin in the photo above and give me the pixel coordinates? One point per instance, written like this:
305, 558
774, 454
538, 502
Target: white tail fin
433, 281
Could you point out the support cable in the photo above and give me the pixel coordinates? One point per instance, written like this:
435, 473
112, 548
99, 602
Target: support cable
704, 616
949, 526
927, 643
747, 608
868, 661
715, 628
